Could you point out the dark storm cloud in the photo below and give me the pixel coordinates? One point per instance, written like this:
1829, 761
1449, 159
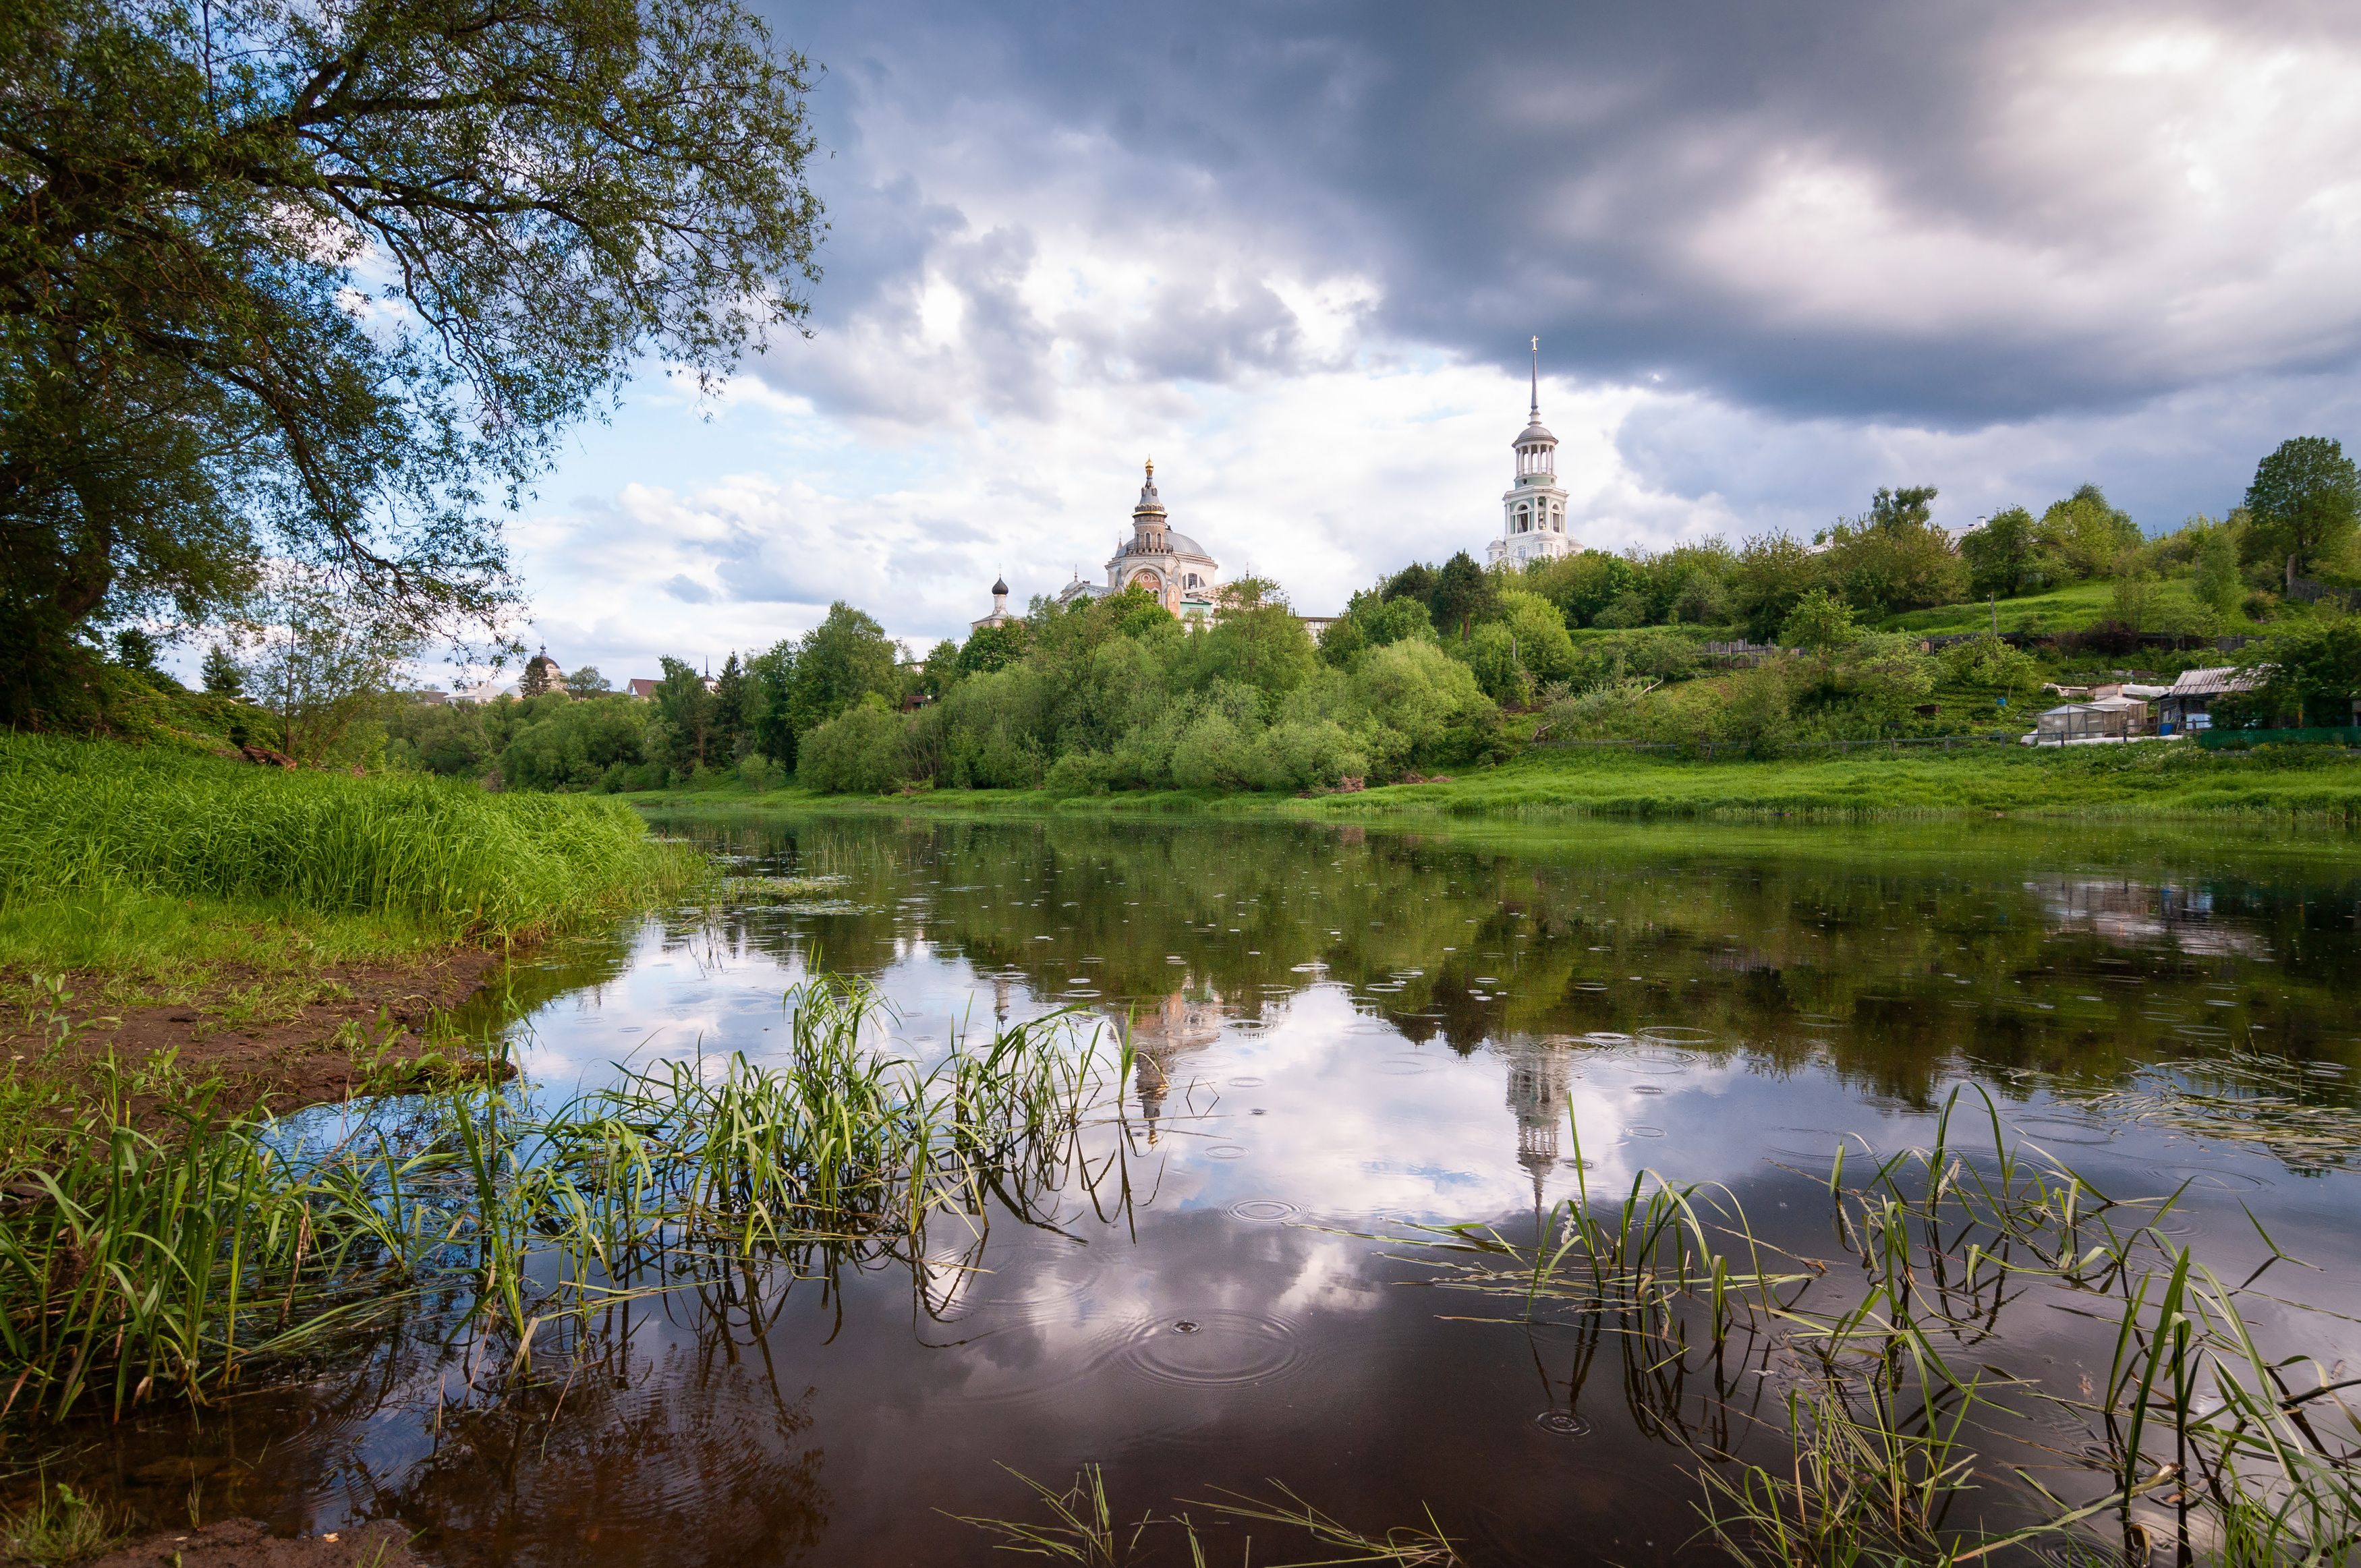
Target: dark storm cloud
1848, 209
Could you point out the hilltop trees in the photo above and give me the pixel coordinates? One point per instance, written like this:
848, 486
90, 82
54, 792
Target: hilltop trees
196, 373
2303, 503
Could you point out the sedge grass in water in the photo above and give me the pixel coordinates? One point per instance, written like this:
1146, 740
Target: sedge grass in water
1905, 1432
138, 1257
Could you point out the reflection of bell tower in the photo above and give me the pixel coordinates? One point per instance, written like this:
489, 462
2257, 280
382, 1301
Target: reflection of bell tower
1537, 1085
1147, 1078
1175, 1026
1000, 1003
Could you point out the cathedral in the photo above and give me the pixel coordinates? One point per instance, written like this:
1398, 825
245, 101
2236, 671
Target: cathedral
1532, 525
1158, 559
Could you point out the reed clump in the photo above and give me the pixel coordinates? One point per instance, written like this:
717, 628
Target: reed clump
145, 1252
89, 819
1905, 1435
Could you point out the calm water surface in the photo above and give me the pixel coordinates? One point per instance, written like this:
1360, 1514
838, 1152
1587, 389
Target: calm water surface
1340, 1034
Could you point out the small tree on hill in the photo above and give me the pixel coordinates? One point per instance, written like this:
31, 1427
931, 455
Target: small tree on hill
220, 673
1820, 621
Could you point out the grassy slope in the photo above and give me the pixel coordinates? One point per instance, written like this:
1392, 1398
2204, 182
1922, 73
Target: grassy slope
2146, 780
162, 870
2075, 608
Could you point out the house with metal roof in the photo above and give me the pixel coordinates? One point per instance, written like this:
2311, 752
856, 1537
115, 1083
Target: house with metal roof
2187, 706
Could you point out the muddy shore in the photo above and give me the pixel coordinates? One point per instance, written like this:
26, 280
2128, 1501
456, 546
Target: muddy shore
362, 1028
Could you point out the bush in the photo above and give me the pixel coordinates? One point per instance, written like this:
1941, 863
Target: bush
1417, 707
862, 751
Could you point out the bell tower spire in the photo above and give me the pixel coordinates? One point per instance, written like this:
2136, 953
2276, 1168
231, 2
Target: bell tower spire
1533, 521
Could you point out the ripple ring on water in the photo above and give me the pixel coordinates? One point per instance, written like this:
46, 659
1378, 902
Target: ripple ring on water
1218, 1349
1226, 1151
2064, 1130
1561, 1424
1265, 1210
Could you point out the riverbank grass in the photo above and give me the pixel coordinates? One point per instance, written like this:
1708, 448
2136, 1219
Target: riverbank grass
152, 870
2150, 779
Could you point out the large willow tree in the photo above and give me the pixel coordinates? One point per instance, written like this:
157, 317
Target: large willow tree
321, 281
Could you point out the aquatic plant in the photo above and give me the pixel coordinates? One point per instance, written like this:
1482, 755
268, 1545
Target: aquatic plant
1895, 1410
162, 1246
1080, 1527
60, 1525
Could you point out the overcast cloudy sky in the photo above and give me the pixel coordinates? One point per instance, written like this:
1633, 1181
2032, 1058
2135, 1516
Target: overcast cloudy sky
1777, 255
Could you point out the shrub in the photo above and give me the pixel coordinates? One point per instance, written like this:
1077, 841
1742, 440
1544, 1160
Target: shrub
862, 751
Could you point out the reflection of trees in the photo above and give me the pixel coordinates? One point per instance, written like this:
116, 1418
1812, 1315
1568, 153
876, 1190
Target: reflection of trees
623, 1460
1895, 968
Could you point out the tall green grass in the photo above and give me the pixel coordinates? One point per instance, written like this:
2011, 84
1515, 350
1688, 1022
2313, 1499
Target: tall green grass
82, 819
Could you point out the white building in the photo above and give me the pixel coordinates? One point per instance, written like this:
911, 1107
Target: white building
1532, 523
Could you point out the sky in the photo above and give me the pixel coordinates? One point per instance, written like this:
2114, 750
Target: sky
1777, 255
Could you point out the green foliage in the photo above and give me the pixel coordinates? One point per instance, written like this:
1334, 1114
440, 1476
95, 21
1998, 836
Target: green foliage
684, 718
1820, 621
862, 751
587, 682
185, 387
86, 816
2086, 534
322, 663
843, 660
1372, 621
1649, 654
1521, 650
1771, 575
572, 744
1462, 592
220, 674
2217, 585
990, 648
733, 695
1894, 558
2010, 556
1583, 585
2308, 675
2303, 503
1986, 663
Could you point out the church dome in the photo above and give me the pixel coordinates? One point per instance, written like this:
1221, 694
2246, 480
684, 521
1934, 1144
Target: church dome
1535, 435
999, 584
1149, 500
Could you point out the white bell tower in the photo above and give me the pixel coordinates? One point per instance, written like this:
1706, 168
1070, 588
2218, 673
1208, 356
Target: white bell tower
1533, 523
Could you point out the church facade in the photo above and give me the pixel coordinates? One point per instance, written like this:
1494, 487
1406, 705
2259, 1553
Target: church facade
1159, 559
1532, 509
